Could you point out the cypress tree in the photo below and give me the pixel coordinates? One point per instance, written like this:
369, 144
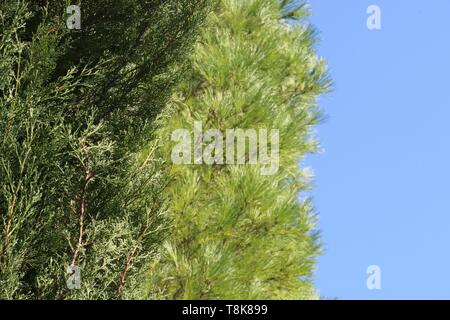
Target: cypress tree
76, 106
237, 233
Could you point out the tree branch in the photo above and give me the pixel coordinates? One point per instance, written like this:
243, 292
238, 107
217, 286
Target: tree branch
81, 213
123, 274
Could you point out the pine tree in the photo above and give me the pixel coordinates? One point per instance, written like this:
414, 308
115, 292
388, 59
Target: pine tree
239, 234
76, 106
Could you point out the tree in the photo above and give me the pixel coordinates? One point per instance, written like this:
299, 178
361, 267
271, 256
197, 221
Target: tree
237, 233
76, 106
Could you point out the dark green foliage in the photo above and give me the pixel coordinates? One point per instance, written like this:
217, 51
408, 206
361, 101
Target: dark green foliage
75, 106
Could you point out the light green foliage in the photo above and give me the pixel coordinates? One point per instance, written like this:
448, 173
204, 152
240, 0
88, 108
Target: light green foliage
236, 233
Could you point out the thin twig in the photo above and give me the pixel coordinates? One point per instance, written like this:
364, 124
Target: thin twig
82, 208
123, 274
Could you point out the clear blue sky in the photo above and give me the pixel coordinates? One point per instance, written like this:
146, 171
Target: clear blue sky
382, 184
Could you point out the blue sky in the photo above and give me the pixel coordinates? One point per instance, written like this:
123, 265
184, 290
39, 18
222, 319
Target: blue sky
382, 182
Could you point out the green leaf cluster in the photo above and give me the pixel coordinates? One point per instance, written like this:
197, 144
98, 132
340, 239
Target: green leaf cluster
237, 234
76, 109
